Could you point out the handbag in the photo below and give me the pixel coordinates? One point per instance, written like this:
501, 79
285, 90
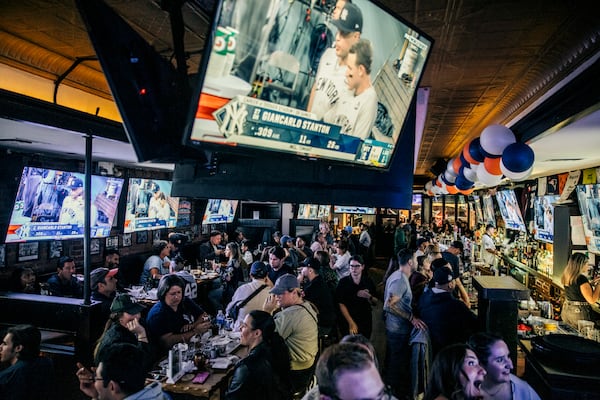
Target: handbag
234, 311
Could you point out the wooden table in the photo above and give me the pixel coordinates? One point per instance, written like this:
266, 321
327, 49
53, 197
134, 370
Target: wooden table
217, 380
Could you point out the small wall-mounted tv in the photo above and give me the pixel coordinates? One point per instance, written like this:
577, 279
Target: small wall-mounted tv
417, 199
219, 211
273, 80
510, 211
588, 197
353, 210
50, 205
488, 210
544, 218
313, 211
478, 212
150, 205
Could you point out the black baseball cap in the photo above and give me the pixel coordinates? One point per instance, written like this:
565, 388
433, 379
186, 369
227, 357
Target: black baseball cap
350, 20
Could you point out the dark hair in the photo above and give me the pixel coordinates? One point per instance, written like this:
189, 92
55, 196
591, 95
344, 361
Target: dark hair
343, 244
62, 260
482, 343
420, 260
215, 233
110, 252
158, 246
439, 263
27, 336
245, 242
404, 256
364, 54
280, 353
15, 278
357, 258
339, 358
278, 252
323, 257
121, 363
166, 283
444, 376
488, 226
361, 339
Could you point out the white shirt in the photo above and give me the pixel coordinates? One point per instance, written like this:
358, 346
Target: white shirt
255, 303
356, 114
330, 85
487, 242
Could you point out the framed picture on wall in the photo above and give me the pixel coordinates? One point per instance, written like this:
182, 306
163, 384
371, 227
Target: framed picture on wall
2, 255
94, 246
55, 249
112, 242
28, 251
141, 237
126, 239
156, 235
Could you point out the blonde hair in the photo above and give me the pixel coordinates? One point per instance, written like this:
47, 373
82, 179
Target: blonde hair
574, 268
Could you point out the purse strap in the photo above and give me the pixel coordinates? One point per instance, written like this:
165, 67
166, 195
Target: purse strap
257, 291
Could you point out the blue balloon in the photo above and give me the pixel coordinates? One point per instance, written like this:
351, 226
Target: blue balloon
518, 157
476, 151
463, 183
445, 180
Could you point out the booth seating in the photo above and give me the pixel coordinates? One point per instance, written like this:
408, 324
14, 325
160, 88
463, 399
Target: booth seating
68, 326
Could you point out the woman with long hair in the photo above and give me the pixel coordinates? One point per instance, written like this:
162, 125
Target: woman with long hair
580, 294
23, 280
499, 382
263, 374
455, 375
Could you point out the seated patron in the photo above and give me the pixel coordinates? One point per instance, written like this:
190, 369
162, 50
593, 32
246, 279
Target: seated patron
124, 326
28, 375
23, 280
257, 286
158, 263
119, 376
64, 284
175, 318
264, 372
276, 264
212, 249
103, 283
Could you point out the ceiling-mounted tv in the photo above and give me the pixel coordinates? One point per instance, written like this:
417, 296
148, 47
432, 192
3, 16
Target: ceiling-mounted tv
488, 210
544, 218
510, 211
50, 205
588, 197
219, 211
150, 205
280, 76
313, 211
353, 210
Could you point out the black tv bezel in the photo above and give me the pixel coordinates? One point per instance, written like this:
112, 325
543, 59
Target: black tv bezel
213, 148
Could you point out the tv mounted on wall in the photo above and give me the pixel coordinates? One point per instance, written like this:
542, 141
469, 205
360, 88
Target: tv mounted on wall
50, 205
353, 210
544, 218
510, 211
588, 197
488, 210
256, 84
219, 211
150, 205
313, 211
478, 210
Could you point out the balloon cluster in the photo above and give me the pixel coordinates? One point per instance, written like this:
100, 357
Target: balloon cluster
486, 160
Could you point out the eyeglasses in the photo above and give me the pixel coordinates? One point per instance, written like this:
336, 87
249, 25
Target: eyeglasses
384, 394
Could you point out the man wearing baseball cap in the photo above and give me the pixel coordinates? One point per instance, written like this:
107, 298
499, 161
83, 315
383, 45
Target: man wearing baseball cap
257, 288
317, 292
330, 87
103, 283
449, 320
297, 325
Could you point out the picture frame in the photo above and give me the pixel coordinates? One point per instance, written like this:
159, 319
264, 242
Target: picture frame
2, 255
126, 240
156, 235
55, 249
141, 237
112, 242
28, 251
95, 246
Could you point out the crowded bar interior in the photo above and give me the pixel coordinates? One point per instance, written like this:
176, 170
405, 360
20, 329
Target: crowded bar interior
233, 152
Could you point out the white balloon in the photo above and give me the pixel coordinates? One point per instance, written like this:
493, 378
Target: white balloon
515, 176
450, 166
486, 178
450, 177
428, 186
470, 173
495, 138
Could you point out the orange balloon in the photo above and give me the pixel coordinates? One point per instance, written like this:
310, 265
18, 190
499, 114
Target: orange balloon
468, 191
438, 182
492, 165
452, 189
456, 164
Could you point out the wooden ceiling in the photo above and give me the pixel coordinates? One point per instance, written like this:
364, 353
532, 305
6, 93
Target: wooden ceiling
490, 61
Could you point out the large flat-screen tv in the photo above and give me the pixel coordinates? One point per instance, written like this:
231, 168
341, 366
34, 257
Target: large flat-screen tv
353, 210
150, 205
280, 76
510, 211
488, 210
219, 211
50, 205
544, 218
588, 197
313, 211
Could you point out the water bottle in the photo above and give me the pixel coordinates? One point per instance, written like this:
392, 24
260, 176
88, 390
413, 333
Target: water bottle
220, 320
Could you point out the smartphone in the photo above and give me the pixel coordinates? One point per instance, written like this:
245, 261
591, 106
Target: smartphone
201, 377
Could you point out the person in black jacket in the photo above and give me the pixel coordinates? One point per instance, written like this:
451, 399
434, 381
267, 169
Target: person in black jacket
263, 373
317, 292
